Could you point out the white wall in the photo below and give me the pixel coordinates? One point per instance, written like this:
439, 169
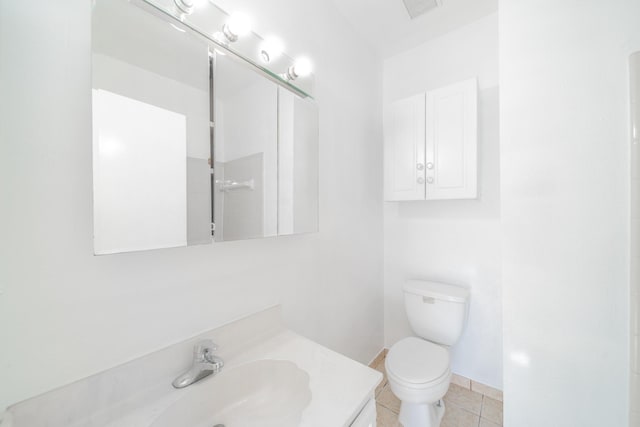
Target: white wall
452, 241
565, 209
65, 314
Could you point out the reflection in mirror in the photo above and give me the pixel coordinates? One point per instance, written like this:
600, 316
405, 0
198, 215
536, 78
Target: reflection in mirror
162, 104
297, 164
151, 142
246, 152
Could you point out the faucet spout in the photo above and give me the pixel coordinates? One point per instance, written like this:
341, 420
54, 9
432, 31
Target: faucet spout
205, 363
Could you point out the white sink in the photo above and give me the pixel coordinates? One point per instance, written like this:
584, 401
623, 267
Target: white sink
265, 393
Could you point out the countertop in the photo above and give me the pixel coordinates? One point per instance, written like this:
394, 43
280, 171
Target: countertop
131, 396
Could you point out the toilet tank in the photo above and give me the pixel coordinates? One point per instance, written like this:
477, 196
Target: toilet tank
437, 312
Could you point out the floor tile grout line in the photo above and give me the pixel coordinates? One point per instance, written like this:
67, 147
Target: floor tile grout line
386, 407
461, 408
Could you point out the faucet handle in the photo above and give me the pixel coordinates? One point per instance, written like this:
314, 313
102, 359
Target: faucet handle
203, 347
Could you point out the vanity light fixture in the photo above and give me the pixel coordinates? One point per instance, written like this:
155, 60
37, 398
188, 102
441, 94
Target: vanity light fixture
301, 68
271, 48
238, 25
184, 6
220, 38
267, 54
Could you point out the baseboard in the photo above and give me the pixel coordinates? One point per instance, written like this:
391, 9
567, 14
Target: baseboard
378, 358
476, 386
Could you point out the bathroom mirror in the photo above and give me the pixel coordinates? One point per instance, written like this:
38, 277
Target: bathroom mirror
297, 164
266, 156
192, 143
151, 143
246, 152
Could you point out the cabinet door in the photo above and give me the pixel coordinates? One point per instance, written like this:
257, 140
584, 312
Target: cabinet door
367, 415
451, 150
404, 142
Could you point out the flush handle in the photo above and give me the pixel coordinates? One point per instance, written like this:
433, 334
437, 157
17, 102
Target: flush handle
428, 300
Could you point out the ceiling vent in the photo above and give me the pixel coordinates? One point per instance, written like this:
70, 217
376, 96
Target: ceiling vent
418, 7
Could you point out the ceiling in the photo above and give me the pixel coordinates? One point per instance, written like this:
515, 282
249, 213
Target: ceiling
387, 27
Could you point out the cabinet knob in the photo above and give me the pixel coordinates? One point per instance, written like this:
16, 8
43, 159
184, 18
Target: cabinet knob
420, 166
430, 180
420, 180
429, 165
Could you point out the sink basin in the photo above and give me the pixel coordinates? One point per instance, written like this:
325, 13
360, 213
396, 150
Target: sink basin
265, 393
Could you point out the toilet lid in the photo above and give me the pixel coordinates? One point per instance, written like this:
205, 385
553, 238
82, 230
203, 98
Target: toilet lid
417, 361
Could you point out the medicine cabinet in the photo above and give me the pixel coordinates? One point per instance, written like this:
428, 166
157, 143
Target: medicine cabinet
265, 156
430, 145
193, 143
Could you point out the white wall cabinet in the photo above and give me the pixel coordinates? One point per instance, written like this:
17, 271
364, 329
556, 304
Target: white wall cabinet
430, 145
404, 149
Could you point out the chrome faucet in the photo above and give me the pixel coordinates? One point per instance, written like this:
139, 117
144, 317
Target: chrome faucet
204, 364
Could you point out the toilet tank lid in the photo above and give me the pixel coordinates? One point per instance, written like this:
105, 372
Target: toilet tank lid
440, 291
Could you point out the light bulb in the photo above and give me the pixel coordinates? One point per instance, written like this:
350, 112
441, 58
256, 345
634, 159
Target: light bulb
301, 68
184, 6
271, 48
219, 37
238, 25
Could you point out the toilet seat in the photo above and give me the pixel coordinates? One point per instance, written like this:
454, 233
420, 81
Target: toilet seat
416, 363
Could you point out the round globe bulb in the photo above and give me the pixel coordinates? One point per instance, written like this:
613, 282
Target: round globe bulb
302, 67
239, 24
271, 48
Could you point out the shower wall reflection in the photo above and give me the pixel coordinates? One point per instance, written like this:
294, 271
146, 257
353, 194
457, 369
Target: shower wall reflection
266, 156
246, 152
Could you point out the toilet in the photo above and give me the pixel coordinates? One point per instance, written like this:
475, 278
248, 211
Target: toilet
418, 369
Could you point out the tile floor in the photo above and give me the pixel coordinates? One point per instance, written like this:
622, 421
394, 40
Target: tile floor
464, 408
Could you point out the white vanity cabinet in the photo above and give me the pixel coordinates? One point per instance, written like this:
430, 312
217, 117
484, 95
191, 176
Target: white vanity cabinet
430, 145
367, 416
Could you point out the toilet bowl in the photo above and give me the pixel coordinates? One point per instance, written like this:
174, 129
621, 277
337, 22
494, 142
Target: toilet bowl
419, 375
418, 369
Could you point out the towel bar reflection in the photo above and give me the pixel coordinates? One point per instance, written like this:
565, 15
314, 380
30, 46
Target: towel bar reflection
228, 185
